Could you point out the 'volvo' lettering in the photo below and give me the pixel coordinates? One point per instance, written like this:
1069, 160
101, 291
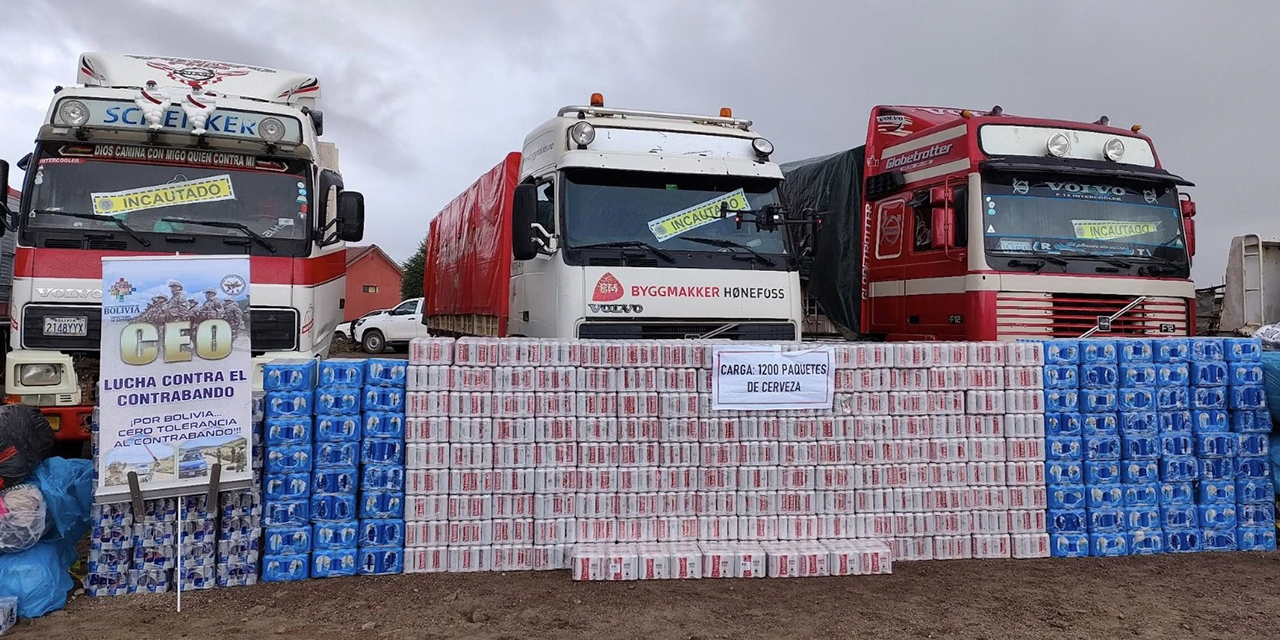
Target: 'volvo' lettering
1100, 190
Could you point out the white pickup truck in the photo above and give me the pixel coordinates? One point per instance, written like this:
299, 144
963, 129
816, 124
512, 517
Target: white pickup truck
391, 328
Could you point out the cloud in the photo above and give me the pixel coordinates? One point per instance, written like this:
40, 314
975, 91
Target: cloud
422, 98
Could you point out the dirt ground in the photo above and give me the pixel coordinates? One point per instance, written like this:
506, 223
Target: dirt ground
1222, 595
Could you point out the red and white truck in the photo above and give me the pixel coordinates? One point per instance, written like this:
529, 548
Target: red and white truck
135, 127
611, 224
952, 224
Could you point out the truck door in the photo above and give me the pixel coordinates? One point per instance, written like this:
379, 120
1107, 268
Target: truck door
535, 302
885, 268
400, 323
934, 301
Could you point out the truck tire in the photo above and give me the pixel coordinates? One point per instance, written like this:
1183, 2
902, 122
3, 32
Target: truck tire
373, 342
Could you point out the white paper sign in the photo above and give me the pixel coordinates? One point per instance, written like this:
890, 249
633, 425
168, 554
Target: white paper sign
175, 394
764, 378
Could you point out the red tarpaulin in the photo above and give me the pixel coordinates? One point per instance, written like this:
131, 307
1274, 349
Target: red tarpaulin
468, 265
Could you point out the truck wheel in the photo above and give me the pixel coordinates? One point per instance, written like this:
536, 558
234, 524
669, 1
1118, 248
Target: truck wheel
372, 342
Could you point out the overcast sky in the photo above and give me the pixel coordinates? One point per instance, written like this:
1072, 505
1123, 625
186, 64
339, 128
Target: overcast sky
423, 97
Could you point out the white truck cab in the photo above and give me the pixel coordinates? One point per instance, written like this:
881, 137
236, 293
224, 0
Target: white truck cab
624, 227
136, 124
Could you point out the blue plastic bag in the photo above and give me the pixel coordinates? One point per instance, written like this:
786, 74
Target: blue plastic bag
1271, 382
1275, 459
38, 576
67, 486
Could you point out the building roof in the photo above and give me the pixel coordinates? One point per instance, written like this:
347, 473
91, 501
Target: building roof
354, 254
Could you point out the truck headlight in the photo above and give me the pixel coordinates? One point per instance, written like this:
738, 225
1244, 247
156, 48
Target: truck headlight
271, 129
1113, 149
39, 375
73, 112
582, 133
1059, 145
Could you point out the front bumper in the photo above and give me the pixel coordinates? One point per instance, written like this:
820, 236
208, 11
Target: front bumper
70, 424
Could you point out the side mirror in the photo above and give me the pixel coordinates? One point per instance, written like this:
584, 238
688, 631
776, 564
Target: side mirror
317, 120
1188, 207
944, 228
351, 216
1189, 230
524, 213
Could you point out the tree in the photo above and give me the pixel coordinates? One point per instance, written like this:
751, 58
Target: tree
411, 281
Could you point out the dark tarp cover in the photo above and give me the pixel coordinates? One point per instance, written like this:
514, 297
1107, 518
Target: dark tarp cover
832, 185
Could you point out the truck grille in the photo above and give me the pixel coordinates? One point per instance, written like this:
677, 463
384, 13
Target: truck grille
773, 331
273, 329
1068, 315
269, 329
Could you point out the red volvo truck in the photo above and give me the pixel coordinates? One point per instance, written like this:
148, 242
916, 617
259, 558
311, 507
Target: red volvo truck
952, 224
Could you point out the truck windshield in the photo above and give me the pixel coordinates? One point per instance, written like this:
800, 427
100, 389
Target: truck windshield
1072, 216
273, 204
661, 210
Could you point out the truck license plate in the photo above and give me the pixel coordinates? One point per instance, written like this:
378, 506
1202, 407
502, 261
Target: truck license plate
77, 327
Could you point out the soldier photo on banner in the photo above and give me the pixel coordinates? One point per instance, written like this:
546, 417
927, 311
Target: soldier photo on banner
177, 307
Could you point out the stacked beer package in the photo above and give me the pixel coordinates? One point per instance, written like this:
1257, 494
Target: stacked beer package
335, 468
607, 458
1158, 445
179, 541
610, 459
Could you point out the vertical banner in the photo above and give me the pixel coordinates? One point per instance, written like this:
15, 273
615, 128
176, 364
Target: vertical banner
175, 395
766, 378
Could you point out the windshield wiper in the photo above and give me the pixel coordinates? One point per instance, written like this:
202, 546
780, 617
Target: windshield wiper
730, 244
1050, 258
223, 224
1034, 265
1115, 262
630, 244
89, 216
1161, 264
1044, 257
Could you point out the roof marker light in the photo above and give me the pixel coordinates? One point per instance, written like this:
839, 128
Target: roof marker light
966, 114
1059, 145
726, 112
1113, 149
582, 134
271, 130
597, 99
1136, 128
73, 112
